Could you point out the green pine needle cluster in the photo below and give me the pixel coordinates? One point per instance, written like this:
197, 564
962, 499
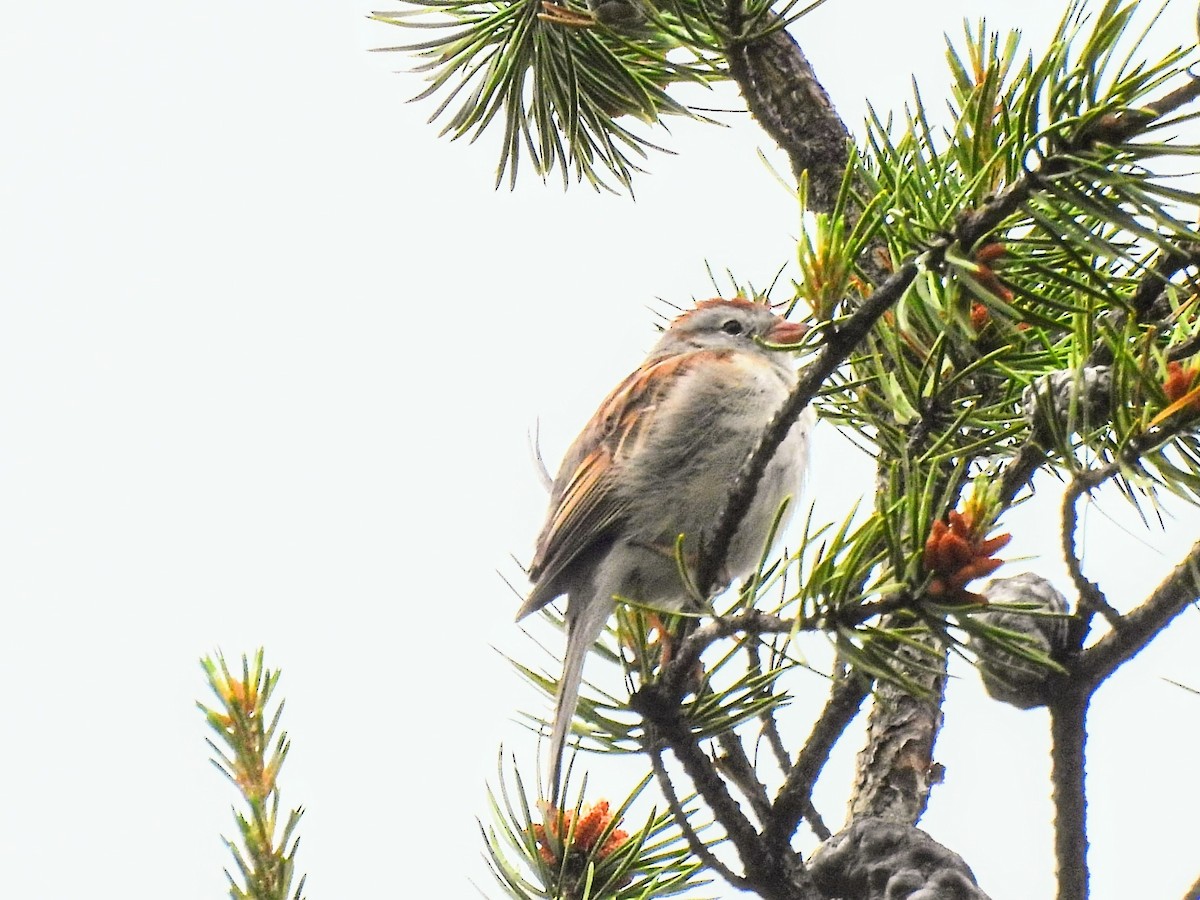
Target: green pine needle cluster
574, 91
531, 859
572, 95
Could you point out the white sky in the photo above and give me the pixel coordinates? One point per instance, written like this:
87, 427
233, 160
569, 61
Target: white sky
269, 351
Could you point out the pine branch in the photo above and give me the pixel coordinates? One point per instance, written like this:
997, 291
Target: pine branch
845, 699
1068, 732
735, 765
784, 96
973, 226
694, 841
772, 876
1140, 626
896, 770
1091, 598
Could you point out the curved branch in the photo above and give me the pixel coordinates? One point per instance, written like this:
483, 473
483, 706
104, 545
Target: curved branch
784, 96
1091, 598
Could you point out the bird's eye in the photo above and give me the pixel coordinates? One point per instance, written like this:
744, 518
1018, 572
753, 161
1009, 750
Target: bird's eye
733, 326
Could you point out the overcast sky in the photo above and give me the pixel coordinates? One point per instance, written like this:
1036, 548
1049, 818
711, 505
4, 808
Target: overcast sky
269, 352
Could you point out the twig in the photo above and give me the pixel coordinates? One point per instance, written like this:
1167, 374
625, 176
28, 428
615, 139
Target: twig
1171, 263
1091, 598
1068, 715
809, 813
770, 728
1184, 350
676, 675
661, 709
777, 875
698, 847
1150, 286
770, 731
1020, 470
736, 766
975, 225
845, 700
817, 824
1143, 624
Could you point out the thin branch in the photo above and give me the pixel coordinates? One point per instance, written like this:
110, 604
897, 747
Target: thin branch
815, 823
973, 226
770, 728
839, 343
809, 813
1171, 263
661, 710
770, 731
1184, 350
1020, 470
772, 875
1068, 715
845, 700
695, 843
736, 766
1143, 624
1091, 598
1151, 285
677, 673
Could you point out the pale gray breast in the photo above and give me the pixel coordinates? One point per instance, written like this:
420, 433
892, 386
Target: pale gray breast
784, 477
680, 477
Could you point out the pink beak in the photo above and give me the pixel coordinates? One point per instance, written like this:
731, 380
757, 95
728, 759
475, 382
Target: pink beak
785, 332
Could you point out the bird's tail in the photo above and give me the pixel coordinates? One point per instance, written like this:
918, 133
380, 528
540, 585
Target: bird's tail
585, 622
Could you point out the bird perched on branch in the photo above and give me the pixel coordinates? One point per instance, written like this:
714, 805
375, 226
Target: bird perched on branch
656, 461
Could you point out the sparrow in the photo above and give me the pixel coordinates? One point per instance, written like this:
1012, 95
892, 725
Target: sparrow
656, 461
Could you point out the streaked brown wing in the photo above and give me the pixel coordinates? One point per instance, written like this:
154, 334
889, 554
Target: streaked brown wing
585, 505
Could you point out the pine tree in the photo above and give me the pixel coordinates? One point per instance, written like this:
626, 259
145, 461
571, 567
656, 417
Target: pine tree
1010, 299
